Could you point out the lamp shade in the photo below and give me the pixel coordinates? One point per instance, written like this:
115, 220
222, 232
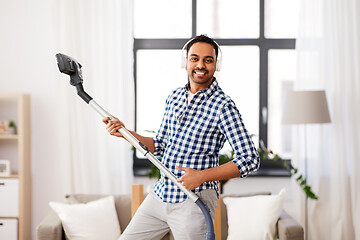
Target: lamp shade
304, 107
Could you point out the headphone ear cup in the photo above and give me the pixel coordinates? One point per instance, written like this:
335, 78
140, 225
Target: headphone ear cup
218, 65
183, 61
183, 58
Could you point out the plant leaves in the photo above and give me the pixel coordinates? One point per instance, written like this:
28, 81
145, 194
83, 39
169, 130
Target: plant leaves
299, 178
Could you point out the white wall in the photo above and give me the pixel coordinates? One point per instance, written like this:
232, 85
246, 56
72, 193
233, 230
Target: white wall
28, 65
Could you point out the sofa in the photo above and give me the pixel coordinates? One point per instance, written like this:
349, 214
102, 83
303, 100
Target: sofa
51, 228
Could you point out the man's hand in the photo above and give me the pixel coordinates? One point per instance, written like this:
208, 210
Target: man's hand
194, 178
191, 179
112, 126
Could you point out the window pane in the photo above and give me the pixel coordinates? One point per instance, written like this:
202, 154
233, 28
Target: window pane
281, 18
162, 19
158, 73
282, 73
239, 78
228, 18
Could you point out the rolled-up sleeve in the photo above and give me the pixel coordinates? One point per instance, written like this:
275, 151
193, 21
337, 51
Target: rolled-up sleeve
231, 125
162, 133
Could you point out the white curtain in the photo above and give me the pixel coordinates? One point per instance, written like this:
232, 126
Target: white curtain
329, 59
98, 34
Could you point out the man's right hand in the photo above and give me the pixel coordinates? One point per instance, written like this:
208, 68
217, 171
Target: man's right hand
113, 125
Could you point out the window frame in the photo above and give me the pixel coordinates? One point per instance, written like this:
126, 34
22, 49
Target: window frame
140, 165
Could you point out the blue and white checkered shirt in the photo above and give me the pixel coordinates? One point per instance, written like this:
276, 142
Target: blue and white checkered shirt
192, 136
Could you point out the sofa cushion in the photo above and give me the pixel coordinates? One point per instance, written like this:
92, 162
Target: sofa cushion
253, 217
224, 218
90, 221
122, 205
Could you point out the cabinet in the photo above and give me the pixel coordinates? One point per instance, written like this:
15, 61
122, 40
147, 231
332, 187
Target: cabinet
15, 190
8, 229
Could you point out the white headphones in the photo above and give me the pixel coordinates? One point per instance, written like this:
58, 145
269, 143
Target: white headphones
184, 56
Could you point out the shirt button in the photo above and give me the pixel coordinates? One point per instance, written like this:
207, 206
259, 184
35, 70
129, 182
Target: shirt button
179, 130
173, 147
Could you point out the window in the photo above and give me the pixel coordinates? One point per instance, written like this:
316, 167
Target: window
257, 39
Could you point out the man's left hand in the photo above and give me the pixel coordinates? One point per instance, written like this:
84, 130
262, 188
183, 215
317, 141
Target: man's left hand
191, 179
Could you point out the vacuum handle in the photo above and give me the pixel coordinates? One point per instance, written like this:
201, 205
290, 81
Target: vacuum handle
145, 151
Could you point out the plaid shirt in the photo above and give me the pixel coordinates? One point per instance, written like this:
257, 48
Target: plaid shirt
192, 136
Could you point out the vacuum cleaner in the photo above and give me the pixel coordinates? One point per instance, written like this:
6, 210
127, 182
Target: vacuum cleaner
71, 67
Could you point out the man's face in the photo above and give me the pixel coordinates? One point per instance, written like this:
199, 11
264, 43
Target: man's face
201, 64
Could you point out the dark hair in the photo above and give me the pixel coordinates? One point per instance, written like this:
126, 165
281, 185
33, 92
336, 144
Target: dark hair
205, 39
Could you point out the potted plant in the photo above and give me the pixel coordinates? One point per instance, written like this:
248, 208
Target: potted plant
12, 128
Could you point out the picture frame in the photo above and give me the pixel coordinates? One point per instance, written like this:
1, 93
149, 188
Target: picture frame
5, 168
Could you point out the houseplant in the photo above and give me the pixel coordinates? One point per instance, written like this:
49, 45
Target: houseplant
266, 154
12, 128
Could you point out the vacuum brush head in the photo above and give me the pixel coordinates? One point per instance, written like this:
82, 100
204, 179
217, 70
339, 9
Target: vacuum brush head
71, 67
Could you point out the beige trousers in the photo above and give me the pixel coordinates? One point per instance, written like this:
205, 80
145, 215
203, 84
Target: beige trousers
155, 218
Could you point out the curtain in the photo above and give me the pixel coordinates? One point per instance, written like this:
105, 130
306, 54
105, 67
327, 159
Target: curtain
329, 59
98, 34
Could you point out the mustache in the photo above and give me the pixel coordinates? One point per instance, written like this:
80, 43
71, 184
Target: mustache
200, 69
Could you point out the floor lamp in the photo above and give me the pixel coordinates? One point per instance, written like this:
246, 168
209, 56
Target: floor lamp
306, 107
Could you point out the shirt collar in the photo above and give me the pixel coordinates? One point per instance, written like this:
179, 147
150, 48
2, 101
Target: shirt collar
208, 91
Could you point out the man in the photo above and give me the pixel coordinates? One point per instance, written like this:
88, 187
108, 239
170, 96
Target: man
198, 119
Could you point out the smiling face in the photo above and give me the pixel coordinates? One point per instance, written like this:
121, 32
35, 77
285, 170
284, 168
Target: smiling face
200, 65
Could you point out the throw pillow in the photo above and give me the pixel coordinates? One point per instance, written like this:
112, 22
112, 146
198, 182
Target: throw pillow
255, 217
91, 221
